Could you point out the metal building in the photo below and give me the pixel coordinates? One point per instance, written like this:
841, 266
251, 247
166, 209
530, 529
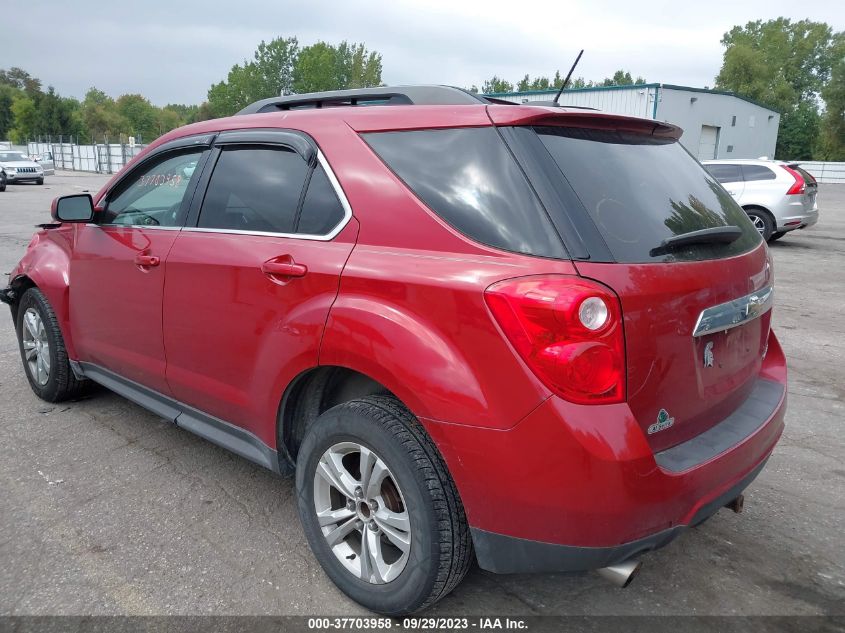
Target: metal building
716, 124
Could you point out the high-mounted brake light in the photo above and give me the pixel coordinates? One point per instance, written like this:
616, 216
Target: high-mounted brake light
799, 186
569, 332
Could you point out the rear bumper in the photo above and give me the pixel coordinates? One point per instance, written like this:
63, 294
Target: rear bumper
797, 219
510, 555
575, 487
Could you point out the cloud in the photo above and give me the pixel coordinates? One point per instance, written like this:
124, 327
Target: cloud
173, 51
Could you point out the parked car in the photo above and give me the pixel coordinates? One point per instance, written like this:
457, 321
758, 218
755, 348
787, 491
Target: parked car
46, 161
491, 332
778, 196
20, 168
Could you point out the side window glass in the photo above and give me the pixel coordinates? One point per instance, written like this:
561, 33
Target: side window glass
757, 172
254, 189
321, 210
154, 196
725, 173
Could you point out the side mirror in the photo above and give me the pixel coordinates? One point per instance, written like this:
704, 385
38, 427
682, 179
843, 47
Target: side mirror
76, 208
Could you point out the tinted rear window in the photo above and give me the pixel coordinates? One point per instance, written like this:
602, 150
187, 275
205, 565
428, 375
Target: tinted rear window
757, 172
640, 190
469, 178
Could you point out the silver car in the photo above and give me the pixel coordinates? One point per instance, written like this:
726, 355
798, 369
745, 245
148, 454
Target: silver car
778, 196
20, 168
46, 161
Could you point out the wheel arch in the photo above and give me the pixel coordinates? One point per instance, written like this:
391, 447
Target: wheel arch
312, 392
18, 286
759, 207
46, 266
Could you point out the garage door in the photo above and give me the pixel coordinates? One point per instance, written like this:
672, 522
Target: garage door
708, 142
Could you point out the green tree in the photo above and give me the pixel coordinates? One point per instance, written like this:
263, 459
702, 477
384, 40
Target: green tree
140, 116
798, 133
100, 115
316, 69
322, 66
20, 79
622, 78
7, 98
269, 74
831, 142
785, 65
579, 82
25, 116
495, 84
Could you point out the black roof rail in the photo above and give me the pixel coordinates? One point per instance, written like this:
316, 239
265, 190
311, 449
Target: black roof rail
384, 95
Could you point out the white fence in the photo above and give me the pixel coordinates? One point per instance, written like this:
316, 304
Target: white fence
102, 158
828, 173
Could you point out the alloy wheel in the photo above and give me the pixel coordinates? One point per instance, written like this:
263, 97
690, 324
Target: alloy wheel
759, 224
362, 513
36, 346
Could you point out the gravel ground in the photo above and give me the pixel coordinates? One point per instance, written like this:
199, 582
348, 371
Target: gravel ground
107, 509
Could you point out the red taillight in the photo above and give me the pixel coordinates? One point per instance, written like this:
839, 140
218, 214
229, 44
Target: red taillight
579, 354
799, 186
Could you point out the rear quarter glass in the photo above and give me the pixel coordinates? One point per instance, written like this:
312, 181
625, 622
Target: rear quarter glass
469, 178
640, 190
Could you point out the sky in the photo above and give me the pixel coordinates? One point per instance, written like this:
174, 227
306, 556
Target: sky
171, 52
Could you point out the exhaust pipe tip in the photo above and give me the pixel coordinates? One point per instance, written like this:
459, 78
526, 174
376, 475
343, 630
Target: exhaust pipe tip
622, 574
736, 504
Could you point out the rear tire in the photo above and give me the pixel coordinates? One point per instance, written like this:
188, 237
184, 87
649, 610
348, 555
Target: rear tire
762, 222
417, 488
43, 352
776, 236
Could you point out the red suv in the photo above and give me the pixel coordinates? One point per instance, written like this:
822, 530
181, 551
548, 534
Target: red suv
533, 336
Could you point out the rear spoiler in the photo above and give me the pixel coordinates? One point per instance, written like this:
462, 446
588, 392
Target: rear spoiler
534, 115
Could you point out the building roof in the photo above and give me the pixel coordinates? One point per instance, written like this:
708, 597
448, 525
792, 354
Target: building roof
553, 91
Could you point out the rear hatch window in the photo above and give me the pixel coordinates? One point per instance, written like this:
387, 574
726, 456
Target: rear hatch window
640, 190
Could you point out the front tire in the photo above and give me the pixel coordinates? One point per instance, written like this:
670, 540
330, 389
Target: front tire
40, 181
43, 350
379, 507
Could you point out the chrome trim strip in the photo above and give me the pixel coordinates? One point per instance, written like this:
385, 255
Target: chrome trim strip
734, 313
135, 226
347, 214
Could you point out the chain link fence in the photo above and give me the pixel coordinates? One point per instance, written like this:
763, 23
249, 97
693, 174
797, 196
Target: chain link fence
103, 158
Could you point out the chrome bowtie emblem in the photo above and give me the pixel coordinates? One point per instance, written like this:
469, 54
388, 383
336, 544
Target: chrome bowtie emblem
708, 354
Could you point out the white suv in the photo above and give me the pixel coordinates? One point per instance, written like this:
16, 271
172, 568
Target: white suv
777, 196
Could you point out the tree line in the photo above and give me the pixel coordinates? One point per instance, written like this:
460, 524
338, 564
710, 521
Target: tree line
796, 68
497, 85
27, 112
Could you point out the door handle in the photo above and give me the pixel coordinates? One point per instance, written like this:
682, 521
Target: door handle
147, 260
289, 268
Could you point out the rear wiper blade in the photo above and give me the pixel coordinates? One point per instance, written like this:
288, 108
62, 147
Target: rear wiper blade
715, 235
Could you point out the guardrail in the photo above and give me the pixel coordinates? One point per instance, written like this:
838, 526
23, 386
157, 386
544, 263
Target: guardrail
825, 172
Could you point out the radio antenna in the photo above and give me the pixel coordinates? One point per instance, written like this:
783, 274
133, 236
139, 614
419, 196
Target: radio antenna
568, 75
